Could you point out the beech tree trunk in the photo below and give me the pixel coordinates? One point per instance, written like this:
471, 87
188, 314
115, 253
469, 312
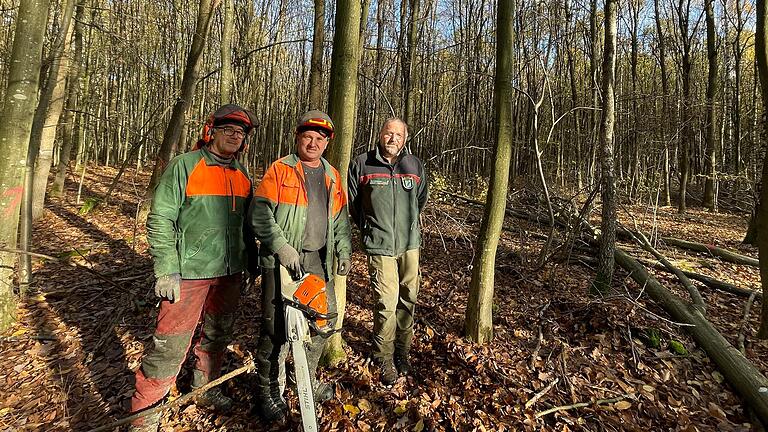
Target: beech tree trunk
605, 263
761, 53
316, 94
225, 84
710, 200
68, 120
747, 380
19, 105
478, 324
341, 108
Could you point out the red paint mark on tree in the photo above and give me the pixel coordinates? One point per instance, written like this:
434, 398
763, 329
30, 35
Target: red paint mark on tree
15, 193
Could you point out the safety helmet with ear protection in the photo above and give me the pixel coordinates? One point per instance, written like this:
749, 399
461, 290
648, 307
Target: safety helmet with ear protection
228, 114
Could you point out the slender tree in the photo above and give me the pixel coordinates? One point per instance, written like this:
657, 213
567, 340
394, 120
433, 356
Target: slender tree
225, 84
710, 200
761, 54
478, 324
341, 108
605, 260
316, 94
19, 103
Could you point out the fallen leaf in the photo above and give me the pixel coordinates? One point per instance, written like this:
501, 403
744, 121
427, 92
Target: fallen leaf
622, 405
352, 410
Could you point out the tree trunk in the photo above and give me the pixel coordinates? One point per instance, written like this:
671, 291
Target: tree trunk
711, 122
58, 94
316, 99
228, 8
18, 112
341, 108
410, 60
478, 324
188, 84
686, 136
605, 265
761, 53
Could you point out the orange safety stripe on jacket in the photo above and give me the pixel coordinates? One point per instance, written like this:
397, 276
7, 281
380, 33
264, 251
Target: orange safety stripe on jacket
217, 180
284, 187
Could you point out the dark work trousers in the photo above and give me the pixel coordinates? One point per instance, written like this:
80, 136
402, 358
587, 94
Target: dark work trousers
273, 347
212, 300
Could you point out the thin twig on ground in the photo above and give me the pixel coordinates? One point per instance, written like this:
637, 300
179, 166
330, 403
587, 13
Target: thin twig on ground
239, 371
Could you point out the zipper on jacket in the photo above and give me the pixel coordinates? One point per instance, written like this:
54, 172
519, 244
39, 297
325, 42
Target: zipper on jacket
394, 209
226, 233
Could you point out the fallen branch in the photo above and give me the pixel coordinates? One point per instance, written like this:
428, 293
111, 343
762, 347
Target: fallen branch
69, 263
239, 371
711, 282
544, 391
582, 405
692, 290
743, 327
721, 253
743, 376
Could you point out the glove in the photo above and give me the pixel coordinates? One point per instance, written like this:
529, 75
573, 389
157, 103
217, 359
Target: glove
169, 286
289, 258
343, 266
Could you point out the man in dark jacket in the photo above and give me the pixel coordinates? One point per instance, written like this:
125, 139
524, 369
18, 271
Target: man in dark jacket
387, 189
199, 247
299, 214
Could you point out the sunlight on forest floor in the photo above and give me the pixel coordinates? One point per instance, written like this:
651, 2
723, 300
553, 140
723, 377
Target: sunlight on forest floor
68, 363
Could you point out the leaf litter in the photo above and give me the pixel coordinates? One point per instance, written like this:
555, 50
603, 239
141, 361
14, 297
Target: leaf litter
560, 360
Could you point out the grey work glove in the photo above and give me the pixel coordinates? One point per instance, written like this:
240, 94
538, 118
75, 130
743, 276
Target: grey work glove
289, 258
169, 286
343, 266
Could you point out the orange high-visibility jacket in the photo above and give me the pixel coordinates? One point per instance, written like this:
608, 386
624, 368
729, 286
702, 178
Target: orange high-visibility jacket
278, 213
195, 226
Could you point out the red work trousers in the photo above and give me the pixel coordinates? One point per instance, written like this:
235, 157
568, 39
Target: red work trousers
212, 300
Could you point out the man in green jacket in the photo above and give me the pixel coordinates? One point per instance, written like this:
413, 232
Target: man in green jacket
387, 191
200, 250
299, 214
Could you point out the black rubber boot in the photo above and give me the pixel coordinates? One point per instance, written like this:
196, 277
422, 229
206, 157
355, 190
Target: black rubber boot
402, 365
215, 399
323, 392
271, 409
388, 371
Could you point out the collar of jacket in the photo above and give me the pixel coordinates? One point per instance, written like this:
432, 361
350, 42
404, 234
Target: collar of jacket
210, 160
403, 151
293, 161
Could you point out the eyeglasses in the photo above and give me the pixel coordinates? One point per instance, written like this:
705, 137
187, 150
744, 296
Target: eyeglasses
230, 132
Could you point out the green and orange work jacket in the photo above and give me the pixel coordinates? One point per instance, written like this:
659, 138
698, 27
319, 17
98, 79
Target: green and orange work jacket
196, 224
279, 212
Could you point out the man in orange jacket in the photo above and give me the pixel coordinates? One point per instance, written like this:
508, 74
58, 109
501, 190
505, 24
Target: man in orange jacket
299, 214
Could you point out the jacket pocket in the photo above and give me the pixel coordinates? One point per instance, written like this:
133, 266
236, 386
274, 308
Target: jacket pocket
199, 243
290, 191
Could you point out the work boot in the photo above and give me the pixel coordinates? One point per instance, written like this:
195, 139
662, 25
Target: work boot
149, 423
388, 372
215, 399
402, 365
323, 392
271, 409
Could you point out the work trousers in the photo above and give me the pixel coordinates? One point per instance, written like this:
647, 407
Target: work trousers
273, 347
395, 281
212, 300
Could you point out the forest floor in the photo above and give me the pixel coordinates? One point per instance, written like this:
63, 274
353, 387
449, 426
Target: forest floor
68, 363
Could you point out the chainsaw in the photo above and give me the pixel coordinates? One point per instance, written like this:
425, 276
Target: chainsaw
306, 306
